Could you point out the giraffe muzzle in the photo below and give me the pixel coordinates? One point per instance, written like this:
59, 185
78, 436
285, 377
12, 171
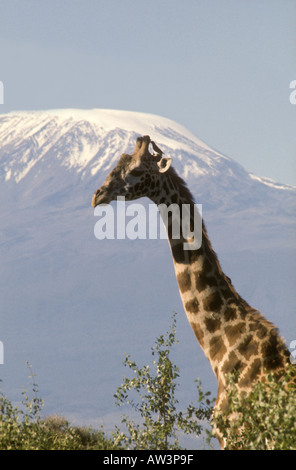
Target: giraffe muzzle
100, 197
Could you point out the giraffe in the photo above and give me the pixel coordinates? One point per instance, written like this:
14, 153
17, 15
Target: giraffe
233, 335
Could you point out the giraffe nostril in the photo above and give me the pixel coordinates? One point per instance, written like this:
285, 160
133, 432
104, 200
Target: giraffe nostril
95, 197
100, 197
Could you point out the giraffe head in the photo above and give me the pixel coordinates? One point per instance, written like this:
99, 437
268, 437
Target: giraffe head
135, 175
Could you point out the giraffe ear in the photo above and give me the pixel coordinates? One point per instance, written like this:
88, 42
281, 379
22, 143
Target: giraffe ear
164, 164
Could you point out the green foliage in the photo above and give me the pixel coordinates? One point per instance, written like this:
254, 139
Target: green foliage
265, 419
23, 428
157, 406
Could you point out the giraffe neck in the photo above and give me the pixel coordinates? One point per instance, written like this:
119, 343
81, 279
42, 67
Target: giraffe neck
232, 335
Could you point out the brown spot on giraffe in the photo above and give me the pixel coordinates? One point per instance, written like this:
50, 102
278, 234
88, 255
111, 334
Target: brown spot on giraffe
253, 372
202, 281
217, 348
230, 314
194, 256
192, 306
259, 329
212, 324
213, 302
234, 332
178, 253
184, 280
270, 350
248, 347
199, 332
232, 363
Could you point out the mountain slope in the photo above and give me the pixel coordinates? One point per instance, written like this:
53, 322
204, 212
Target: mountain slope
73, 305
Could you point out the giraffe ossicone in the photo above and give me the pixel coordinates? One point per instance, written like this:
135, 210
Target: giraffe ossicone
233, 335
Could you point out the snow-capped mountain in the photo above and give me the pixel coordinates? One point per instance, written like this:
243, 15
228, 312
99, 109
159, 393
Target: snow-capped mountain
36, 146
72, 305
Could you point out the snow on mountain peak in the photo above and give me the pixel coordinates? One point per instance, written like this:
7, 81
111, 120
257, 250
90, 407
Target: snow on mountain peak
131, 121
90, 141
85, 138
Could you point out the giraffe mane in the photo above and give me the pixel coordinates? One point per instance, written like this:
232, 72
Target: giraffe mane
182, 186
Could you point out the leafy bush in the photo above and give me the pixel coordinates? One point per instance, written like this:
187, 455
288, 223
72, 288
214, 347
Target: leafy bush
23, 428
265, 419
157, 406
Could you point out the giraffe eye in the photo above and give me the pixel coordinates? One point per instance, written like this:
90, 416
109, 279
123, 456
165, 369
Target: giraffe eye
135, 172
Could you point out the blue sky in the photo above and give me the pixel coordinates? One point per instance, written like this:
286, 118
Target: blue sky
222, 68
